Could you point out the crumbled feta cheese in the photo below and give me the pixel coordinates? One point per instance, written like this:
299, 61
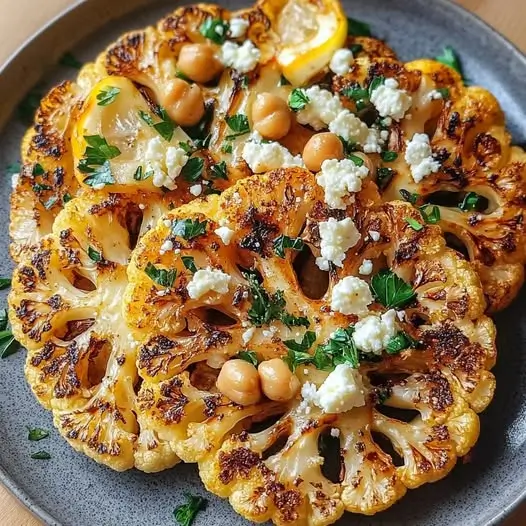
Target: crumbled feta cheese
339, 179
265, 156
342, 390
306, 372
375, 140
349, 127
308, 394
166, 247
372, 334
165, 163
336, 237
98, 186
335, 432
163, 292
242, 58
248, 335
142, 207
323, 107
401, 315
226, 234
351, 295
419, 156
387, 121
341, 61
196, 189
391, 101
15, 179
208, 280
366, 267
374, 235
238, 27
434, 95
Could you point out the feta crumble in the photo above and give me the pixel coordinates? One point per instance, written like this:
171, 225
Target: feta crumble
342, 390
374, 235
339, 179
238, 27
341, 61
434, 95
166, 247
265, 156
391, 101
366, 267
323, 107
242, 58
248, 335
336, 237
349, 127
196, 190
375, 141
351, 295
208, 280
226, 234
165, 163
335, 432
372, 334
419, 156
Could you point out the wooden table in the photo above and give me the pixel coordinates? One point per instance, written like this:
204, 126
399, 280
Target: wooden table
26, 16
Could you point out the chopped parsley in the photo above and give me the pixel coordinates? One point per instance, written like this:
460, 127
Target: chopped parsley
283, 81
226, 147
41, 455
219, 171
430, 213
165, 128
141, 175
384, 176
390, 290
69, 60
357, 28
8, 344
36, 434
471, 201
215, 30
444, 92
94, 255
290, 320
66, 198
193, 169
182, 76
96, 161
189, 264
414, 224
39, 188
306, 343
185, 513
450, 58
107, 96
38, 169
401, 342
189, 228
356, 93
409, 196
163, 277
297, 352
389, 156
249, 356
298, 99
356, 49
5, 283
238, 124
376, 82
283, 242
358, 161
338, 350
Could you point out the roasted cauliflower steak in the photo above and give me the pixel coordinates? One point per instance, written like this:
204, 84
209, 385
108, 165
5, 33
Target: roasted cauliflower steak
273, 469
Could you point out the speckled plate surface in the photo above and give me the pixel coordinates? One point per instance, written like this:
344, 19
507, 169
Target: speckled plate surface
70, 489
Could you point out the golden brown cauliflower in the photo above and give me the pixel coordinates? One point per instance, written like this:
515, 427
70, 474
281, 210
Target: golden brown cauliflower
420, 398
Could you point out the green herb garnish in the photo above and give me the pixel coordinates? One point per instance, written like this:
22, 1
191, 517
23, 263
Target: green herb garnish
165, 128
38, 169
401, 342
283, 242
470, 202
298, 99
107, 96
189, 264
94, 255
390, 290
163, 277
96, 161
215, 30
193, 169
141, 175
430, 213
409, 197
249, 356
5, 283
358, 161
219, 171
185, 513
356, 28
41, 455
290, 320
450, 58
189, 228
238, 124
414, 224
384, 176
389, 156
338, 350
36, 434
68, 60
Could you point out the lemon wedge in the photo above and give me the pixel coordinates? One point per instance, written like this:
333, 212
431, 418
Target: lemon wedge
117, 121
309, 33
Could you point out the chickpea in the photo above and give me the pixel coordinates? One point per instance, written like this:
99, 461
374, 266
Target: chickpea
321, 147
184, 102
277, 382
239, 381
199, 62
271, 116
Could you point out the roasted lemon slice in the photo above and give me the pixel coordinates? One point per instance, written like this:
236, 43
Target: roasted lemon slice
310, 32
120, 141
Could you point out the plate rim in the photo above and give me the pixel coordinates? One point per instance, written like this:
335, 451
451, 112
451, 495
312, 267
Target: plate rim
21, 53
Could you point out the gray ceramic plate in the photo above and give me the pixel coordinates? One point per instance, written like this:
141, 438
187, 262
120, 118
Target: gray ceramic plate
70, 489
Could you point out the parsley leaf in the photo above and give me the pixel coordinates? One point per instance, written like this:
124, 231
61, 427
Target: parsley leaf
193, 169
100, 176
162, 277
219, 171
51, 202
185, 513
226, 147
414, 224
107, 96
283, 242
298, 99
389, 156
409, 197
390, 290
376, 82
306, 343
5, 283
165, 128
215, 30
94, 255
8, 344
70, 61
358, 161
296, 358
38, 169
283, 81
430, 217
400, 342
189, 263
356, 93
265, 307
384, 176
96, 161
356, 28
39, 188
450, 58
444, 92
249, 356
473, 201
141, 175
188, 228
290, 320
37, 434
41, 455
338, 350
355, 49
66, 198
237, 123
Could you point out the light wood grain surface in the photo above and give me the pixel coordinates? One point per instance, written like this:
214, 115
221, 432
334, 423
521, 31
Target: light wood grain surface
27, 16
